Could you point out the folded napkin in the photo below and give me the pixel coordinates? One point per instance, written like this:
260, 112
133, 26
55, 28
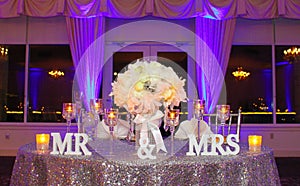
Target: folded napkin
120, 130
191, 127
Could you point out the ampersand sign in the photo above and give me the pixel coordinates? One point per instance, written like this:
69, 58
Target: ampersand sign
144, 152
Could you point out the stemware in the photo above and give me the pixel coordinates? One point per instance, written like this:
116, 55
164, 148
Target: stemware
172, 121
97, 109
111, 119
131, 133
79, 111
223, 114
199, 106
96, 106
199, 109
69, 113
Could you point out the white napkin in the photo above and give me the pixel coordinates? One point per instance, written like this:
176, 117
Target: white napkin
191, 127
120, 130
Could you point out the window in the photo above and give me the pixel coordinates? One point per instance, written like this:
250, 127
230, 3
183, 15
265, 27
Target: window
287, 87
12, 80
253, 94
50, 79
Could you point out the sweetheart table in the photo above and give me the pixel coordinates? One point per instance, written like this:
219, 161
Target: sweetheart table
121, 166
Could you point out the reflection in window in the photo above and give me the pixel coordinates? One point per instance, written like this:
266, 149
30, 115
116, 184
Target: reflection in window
253, 94
12, 74
50, 77
287, 86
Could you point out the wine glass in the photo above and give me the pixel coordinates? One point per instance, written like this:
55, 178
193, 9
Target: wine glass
69, 113
111, 119
199, 108
223, 114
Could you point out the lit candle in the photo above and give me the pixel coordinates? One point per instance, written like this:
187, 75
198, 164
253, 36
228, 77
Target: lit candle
111, 115
173, 114
96, 105
69, 108
42, 142
223, 110
199, 104
254, 142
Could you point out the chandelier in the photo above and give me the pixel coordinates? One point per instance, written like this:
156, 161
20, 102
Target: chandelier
292, 54
239, 74
56, 73
3, 52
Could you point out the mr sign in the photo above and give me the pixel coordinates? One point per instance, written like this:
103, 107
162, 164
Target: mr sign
59, 146
232, 147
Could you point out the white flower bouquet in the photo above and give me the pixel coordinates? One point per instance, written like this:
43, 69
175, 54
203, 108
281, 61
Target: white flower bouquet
146, 86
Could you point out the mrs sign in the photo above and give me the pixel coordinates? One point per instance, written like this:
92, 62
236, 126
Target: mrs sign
215, 145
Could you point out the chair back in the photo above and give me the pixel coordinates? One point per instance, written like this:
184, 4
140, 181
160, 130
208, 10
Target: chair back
233, 125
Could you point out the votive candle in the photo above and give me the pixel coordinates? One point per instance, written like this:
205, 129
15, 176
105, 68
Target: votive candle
42, 142
111, 114
173, 114
254, 142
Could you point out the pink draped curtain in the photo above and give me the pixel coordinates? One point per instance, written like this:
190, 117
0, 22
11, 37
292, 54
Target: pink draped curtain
222, 9
87, 48
213, 45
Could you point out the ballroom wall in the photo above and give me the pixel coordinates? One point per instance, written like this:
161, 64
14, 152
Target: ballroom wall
27, 30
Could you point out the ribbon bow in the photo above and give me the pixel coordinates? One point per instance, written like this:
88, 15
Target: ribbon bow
151, 122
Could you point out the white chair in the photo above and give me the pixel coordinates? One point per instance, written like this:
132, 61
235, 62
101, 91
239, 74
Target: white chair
233, 125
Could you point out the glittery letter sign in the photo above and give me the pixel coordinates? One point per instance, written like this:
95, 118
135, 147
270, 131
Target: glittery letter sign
59, 146
232, 147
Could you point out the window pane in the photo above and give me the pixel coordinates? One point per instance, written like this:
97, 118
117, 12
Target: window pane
252, 94
122, 59
287, 87
47, 92
12, 75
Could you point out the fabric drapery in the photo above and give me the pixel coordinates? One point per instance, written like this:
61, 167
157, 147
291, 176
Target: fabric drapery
180, 9
213, 45
42, 8
87, 49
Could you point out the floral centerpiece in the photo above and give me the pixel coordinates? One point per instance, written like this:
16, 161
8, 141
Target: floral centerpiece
146, 87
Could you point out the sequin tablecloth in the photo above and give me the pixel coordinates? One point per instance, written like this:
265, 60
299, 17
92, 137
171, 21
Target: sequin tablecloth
246, 168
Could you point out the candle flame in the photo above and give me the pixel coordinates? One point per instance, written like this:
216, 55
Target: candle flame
111, 115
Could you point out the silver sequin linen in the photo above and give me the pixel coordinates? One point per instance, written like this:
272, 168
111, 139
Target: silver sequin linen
121, 166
